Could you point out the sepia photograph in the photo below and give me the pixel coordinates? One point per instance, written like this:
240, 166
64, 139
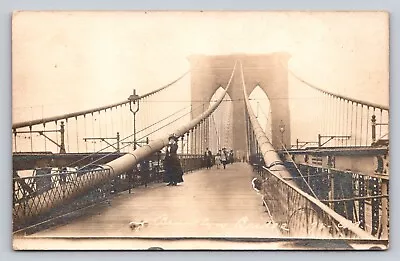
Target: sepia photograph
200, 130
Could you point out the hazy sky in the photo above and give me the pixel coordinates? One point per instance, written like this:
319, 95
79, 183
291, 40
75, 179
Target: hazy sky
68, 61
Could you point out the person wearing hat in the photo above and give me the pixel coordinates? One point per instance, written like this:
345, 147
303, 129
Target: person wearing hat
231, 158
224, 157
172, 165
208, 158
218, 159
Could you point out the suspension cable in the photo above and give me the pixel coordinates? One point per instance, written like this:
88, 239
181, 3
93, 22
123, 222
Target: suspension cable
129, 143
365, 103
91, 111
298, 170
129, 136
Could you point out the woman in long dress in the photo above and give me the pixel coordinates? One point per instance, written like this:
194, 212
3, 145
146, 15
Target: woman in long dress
218, 159
172, 165
224, 158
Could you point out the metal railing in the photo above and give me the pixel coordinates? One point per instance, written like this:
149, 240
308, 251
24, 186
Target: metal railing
301, 215
38, 205
35, 196
361, 198
297, 213
345, 120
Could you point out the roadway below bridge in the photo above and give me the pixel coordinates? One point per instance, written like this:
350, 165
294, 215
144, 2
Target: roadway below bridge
210, 203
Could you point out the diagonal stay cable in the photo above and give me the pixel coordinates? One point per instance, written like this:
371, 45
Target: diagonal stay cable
129, 143
129, 136
315, 196
216, 131
155, 145
298, 170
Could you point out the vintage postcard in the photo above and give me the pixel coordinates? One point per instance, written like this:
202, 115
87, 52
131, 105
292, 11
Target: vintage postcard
200, 130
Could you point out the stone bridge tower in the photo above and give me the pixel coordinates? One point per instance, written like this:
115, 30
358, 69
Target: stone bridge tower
269, 71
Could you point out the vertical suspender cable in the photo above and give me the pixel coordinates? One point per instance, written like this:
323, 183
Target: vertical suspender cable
380, 126
340, 121
105, 120
56, 133
347, 120
67, 132
31, 138
84, 119
94, 142
367, 121
355, 131
99, 120
361, 118
45, 142
77, 131
112, 123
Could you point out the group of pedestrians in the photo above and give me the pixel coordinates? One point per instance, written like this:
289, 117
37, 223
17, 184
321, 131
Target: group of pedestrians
223, 157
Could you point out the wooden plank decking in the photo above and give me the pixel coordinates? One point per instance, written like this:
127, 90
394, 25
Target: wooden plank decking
210, 203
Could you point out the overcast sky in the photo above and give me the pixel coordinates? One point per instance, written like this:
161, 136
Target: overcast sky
68, 61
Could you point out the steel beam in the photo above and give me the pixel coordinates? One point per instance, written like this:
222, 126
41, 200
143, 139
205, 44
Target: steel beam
29, 161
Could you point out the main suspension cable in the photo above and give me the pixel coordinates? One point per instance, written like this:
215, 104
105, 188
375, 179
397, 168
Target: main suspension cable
129, 143
129, 136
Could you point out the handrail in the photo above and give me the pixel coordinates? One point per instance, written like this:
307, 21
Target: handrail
365, 103
341, 220
122, 164
89, 111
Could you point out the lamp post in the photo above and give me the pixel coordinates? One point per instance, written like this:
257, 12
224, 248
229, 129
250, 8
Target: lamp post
134, 99
282, 130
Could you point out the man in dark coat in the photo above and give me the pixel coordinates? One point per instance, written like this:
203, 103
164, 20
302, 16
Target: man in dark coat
208, 158
231, 158
172, 165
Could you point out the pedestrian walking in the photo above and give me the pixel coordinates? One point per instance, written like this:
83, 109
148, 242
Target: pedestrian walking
218, 159
208, 158
231, 159
224, 157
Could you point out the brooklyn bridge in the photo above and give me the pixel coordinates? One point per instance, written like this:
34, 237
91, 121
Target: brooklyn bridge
98, 174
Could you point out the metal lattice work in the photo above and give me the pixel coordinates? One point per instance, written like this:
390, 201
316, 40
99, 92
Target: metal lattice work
360, 198
35, 205
33, 195
297, 213
35, 198
300, 215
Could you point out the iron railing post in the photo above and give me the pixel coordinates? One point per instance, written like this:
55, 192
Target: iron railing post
62, 131
373, 120
187, 143
319, 140
118, 138
182, 144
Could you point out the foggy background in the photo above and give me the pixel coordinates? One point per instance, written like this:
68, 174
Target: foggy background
70, 61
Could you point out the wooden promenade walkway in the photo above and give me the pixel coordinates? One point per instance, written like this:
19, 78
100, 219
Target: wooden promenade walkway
210, 203
212, 209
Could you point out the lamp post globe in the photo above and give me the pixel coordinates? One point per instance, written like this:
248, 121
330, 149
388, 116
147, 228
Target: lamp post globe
134, 105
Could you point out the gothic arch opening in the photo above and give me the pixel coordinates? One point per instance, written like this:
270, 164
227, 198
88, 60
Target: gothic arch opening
220, 129
261, 106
